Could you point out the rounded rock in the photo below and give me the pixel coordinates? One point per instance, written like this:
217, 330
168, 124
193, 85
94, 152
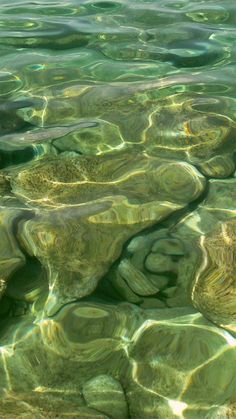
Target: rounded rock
159, 263
180, 181
169, 246
106, 395
218, 166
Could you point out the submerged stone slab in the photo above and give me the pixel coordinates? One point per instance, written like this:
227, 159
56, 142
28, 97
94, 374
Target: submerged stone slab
98, 339
90, 207
68, 180
165, 263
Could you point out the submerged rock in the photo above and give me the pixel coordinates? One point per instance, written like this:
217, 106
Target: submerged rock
11, 257
205, 273
186, 126
99, 340
148, 268
106, 395
117, 210
100, 203
214, 289
171, 356
218, 166
28, 283
98, 137
9, 120
66, 180
167, 264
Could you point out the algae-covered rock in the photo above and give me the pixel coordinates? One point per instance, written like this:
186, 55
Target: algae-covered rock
167, 377
59, 180
171, 259
203, 233
214, 287
148, 268
28, 283
117, 210
74, 251
190, 134
106, 395
218, 166
111, 349
89, 332
96, 204
172, 127
98, 137
11, 257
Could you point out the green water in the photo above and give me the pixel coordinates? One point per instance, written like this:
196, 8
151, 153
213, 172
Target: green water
117, 209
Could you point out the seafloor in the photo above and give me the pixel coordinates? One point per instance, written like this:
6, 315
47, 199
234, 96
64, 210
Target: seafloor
118, 209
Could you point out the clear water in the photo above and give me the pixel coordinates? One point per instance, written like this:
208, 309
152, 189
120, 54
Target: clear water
117, 209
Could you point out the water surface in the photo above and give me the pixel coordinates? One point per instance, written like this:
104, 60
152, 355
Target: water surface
117, 209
